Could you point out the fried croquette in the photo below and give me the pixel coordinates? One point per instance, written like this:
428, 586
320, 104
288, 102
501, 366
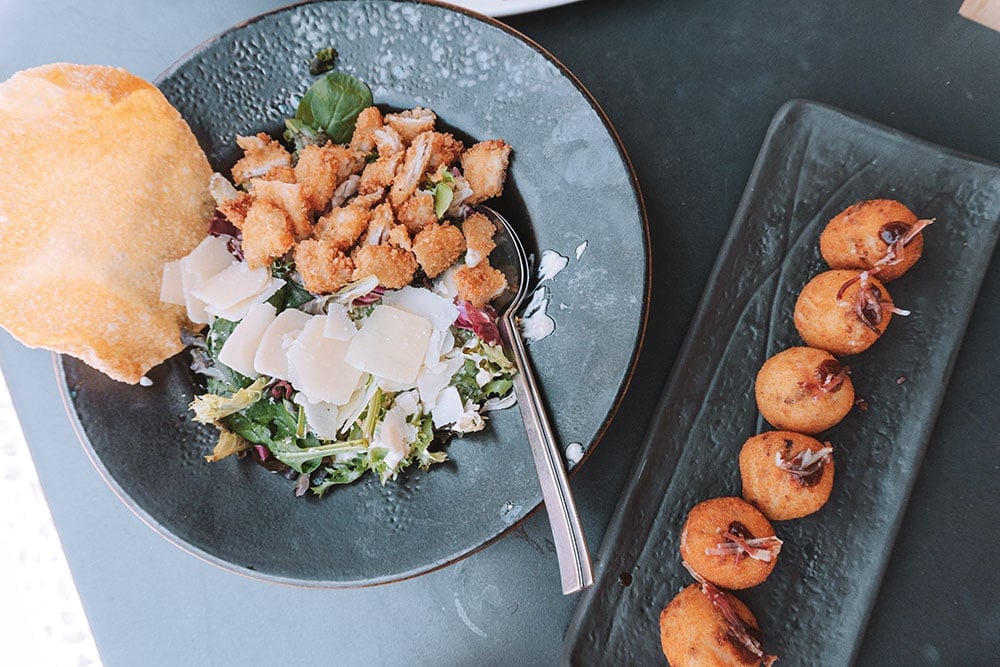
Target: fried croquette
878, 235
843, 312
729, 542
803, 389
786, 475
705, 627
437, 247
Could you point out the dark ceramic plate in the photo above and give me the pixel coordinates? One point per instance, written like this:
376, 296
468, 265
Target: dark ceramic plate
813, 608
569, 182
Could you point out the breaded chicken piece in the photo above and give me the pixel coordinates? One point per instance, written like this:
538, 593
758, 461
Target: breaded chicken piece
263, 158
412, 122
398, 236
342, 226
479, 284
382, 221
345, 191
267, 233
368, 121
417, 212
394, 267
370, 200
485, 168
445, 150
288, 197
379, 174
478, 231
321, 169
437, 247
387, 141
323, 267
235, 210
414, 168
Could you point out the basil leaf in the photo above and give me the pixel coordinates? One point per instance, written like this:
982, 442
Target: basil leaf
332, 104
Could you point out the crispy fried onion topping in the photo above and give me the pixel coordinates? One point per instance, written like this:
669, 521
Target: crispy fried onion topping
738, 542
869, 302
897, 235
830, 376
806, 463
743, 634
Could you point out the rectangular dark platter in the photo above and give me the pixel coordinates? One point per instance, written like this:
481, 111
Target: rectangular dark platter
813, 609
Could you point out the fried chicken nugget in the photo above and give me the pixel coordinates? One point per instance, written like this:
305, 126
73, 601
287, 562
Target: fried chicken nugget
394, 267
437, 247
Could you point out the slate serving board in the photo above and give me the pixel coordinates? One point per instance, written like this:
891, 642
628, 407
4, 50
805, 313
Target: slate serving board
813, 609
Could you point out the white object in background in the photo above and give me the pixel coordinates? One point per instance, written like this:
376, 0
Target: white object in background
507, 7
41, 618
986, 12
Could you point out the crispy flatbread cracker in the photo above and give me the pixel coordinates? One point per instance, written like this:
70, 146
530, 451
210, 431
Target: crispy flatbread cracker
102, 183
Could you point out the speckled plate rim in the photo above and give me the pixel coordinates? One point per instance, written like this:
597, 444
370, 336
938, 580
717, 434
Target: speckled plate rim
207, 557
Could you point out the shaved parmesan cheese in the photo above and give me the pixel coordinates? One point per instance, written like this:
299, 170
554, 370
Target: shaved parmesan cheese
430, 383
316, 365
440, 311
338, 325
171, 287
395, 435
322, 417
238, 310
233, 284
209, 258
392, 344
271, 358
445, 284
449, 408
240, 348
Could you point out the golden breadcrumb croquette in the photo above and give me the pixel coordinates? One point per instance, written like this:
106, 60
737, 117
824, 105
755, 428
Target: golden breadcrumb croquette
706, 627
343, 225
437, 247
479, 284
786, 475
288, 197
729, 543
417, 212
484, 166
478, 231
803, 389
263, 158
267, 233
843, 312
878, 235
323, 267
394, 267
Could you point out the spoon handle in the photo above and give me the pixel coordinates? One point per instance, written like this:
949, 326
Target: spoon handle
575, 568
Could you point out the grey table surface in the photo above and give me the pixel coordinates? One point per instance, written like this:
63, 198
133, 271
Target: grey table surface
691, 86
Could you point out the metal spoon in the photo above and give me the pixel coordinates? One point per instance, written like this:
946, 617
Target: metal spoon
575, 568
